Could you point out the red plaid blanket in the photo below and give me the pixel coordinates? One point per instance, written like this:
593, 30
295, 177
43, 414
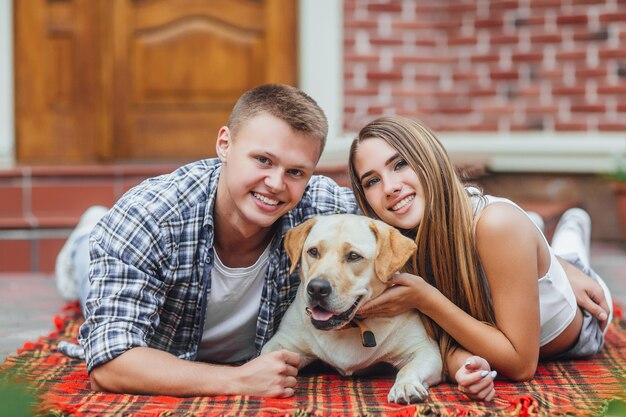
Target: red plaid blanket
61, 388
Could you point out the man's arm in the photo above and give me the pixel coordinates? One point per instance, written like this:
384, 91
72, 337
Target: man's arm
144, 370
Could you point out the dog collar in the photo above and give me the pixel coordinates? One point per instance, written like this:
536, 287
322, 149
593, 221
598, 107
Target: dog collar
367, 336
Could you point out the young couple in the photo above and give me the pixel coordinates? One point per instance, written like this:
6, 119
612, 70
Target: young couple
188, 274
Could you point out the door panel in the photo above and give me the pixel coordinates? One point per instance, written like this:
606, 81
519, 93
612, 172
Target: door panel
141, 79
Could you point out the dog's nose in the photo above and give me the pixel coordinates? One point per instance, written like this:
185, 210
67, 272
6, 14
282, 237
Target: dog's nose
318, 289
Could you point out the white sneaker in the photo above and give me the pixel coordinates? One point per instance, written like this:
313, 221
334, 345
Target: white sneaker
66, 282
579, 220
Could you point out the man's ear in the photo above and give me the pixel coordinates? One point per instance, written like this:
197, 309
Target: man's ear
294, 241
393, 249
223, 142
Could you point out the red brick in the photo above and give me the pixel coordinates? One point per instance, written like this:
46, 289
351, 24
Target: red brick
448, 24
527, 57
425, 59
544, 38
461, 7
15, 256
464, 76
588, 108
621, 107
501, 39
545, 4
553, 74
375, 110
421, 8
531, 124
467, 40
583, 73
611, 89
360, 24
490, 23
574, 19
351, 57
612, 126
580, 55
587, 2
381, 75
361, 91
425, 42
482, 91
386, 41
504, 75
413, 25
613, 17
490, 126
599, 35
612, 53
488, 58
497, 109
455, 110
533, 20
426, 77
577, 126
385, 7
538, 109
495, 5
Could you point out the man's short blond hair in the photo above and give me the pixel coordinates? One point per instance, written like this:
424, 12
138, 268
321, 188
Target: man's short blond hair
285, 102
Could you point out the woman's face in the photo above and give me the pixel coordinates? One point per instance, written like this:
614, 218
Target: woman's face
391, 187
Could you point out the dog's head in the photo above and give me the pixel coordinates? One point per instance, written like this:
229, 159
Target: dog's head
345, 261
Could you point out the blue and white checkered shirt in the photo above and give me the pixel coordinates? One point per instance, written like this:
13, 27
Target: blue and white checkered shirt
151, 260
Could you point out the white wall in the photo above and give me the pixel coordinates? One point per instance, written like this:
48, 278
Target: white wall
7, 118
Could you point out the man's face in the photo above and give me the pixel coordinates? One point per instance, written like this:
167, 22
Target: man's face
266, 167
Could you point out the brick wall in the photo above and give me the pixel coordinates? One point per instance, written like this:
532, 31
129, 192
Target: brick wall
499, 65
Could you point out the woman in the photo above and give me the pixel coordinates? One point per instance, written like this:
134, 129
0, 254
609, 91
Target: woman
494, 293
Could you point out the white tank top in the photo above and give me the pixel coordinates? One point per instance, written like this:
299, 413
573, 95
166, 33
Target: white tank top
557, 302
233, 311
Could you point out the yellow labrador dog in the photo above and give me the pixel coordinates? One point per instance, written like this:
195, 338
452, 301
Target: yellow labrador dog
345, 261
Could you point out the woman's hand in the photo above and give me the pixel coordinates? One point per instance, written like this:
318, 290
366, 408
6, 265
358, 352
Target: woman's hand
589, 294
400, 297
475, 379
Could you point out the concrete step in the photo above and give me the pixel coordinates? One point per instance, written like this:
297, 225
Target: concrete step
39, 206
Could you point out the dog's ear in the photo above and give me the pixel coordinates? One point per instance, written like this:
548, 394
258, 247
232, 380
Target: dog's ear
393, 249
294, 241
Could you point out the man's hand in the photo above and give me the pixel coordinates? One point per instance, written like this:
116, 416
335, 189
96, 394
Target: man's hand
589, 294
270, 375
475, 379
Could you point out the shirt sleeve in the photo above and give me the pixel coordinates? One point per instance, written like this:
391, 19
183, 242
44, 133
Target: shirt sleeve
127, 287
325, 196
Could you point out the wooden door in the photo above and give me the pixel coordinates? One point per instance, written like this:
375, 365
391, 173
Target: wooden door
141, 80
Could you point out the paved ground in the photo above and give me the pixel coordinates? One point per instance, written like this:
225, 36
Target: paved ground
28, 302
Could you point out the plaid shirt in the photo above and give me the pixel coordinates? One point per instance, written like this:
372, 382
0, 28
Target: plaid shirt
151, 260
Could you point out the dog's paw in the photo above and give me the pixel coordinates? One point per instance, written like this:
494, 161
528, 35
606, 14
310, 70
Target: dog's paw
407, 393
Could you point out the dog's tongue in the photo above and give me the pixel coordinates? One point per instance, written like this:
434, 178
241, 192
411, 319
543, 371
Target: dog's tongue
320, 314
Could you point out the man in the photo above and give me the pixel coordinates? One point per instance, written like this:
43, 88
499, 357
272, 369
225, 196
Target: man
188, 269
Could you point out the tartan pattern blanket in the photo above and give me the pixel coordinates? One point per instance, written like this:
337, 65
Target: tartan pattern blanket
578, 387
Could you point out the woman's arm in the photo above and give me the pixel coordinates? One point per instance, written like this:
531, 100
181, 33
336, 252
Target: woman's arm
508, 249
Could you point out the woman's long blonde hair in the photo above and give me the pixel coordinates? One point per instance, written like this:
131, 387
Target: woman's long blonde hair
446, 256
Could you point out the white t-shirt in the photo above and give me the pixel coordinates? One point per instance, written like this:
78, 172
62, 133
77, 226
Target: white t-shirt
232, 311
